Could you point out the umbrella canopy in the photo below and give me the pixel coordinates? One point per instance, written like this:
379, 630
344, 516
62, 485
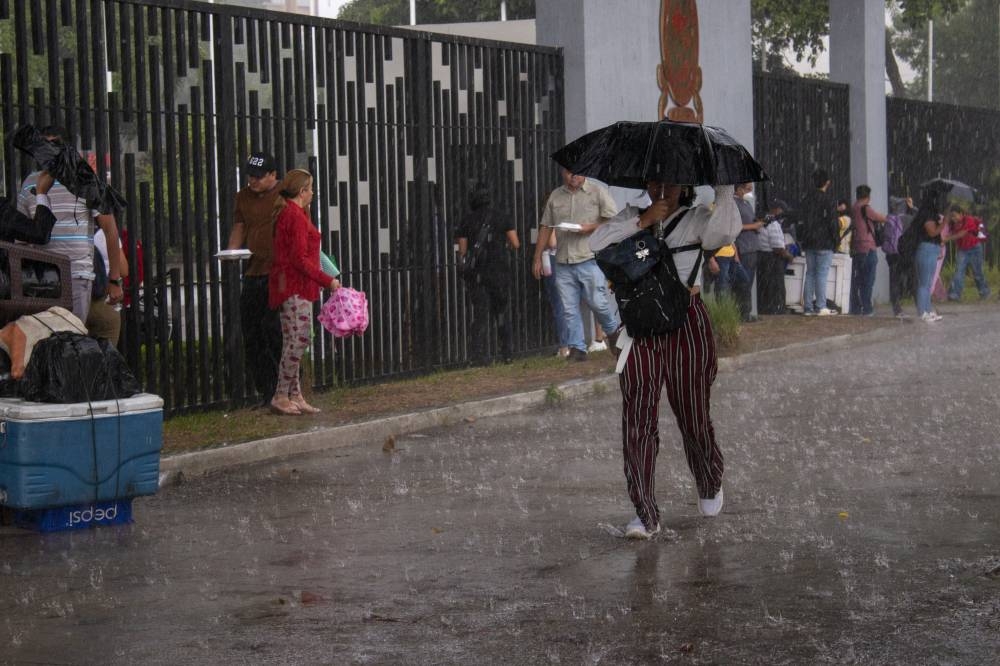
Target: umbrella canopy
629, 154
67, 167
954, 189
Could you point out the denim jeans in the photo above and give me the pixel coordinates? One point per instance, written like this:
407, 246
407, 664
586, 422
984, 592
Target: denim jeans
552, 292
814, 287
973, 259
584, 280
863, 282
927, 256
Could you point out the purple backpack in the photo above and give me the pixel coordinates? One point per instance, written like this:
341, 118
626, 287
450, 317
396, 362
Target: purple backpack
893, 230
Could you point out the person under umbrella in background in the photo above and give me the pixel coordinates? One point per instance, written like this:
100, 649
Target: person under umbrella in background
295, 280
684, 362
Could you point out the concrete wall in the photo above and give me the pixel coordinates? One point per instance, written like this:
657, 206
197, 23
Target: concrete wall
611, 51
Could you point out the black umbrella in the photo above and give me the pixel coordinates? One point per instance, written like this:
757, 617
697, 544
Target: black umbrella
629, 154
66, 166
954, 189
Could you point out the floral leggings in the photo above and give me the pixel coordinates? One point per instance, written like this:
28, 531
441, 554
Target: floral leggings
296, 328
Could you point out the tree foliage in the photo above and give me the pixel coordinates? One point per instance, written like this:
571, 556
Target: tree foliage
397, 12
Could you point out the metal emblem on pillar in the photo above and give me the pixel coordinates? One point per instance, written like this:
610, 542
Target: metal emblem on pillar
678, 74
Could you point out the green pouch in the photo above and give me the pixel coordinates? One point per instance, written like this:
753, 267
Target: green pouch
328, 265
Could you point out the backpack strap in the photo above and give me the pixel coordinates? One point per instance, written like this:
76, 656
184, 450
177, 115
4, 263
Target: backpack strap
669, 229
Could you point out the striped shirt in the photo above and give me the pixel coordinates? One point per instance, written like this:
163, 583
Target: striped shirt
73, 233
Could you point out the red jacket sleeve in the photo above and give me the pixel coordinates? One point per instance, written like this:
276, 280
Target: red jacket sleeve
306, 254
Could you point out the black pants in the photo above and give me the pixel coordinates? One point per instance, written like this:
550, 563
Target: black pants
770, 283
261, 336
743, 292
900, 280
490, 303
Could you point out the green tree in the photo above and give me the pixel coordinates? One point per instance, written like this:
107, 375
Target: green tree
966, 54
799, 26
397, 12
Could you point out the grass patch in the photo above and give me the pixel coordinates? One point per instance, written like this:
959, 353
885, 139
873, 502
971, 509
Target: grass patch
553, 396
724, 313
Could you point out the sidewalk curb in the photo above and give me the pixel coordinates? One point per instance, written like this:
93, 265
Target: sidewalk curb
174, 467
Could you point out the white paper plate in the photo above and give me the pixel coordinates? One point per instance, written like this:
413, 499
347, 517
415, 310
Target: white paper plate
569, 226
233, 254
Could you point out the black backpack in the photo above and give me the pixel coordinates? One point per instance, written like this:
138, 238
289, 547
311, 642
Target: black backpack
910, 239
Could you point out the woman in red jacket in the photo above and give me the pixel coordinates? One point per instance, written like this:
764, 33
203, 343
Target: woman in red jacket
294, 283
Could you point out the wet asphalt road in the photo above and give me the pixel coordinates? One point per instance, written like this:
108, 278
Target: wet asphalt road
862, 525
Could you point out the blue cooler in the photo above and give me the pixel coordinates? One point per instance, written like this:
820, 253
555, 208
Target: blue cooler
54, 455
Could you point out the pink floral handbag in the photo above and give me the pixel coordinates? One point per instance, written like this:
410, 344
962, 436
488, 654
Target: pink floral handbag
345, 313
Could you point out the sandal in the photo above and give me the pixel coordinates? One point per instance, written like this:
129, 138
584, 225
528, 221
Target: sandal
303, 406
284, 406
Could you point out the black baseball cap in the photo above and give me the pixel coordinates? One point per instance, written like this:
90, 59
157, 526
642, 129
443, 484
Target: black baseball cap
260, 164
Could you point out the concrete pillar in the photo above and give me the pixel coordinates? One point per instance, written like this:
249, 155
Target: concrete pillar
611, 50
857, 58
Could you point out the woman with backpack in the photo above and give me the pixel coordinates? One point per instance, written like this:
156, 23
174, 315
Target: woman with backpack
926, 227
681, 362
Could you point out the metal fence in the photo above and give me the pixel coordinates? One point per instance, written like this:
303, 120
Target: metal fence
168, 98
801, 125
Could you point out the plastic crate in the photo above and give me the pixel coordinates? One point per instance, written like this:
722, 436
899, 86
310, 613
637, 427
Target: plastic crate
76, 517
17, 304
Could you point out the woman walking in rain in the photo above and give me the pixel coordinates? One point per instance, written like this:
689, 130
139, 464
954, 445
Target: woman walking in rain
683, 361
295, 280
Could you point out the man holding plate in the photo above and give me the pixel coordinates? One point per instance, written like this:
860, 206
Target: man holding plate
253, 228
576, 209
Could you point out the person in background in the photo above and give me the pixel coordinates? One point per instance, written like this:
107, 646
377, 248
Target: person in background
930, 223
771, 262
864, 251
967, 233
103, 319
552, 293
295, 281
587, 205
818, 236
900, 215
682, 363
844, 221
484, 236
748, 247
253, 228
73, 232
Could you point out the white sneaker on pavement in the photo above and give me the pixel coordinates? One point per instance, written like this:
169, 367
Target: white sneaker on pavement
929, 317
825, 312
636, 530
711, 507
597, 346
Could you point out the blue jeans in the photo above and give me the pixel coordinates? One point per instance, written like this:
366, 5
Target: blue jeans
552, 293
927, 256
584, 280
863, 282
973, 259
814, 287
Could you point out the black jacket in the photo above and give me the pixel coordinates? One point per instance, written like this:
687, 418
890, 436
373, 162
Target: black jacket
818, 228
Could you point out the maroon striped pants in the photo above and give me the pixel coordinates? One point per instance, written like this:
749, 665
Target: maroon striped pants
685, 363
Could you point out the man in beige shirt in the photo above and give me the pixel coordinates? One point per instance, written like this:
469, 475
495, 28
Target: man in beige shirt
576, 209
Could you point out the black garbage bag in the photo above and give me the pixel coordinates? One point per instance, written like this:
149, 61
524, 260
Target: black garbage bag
69, 168
16, 226
9, 387
69, 367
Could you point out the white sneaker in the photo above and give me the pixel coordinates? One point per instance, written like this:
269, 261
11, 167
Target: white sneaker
563, 352
712, 507
825, 312
936, 316
929, 317
597, 346
636, 530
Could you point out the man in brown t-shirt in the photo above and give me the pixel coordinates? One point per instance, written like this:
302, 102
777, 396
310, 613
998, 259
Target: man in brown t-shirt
253, 228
